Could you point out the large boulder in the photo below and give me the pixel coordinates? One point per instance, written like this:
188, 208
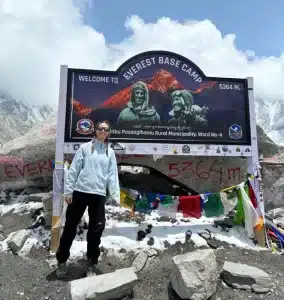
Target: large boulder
110, 286
241, 276
195, 275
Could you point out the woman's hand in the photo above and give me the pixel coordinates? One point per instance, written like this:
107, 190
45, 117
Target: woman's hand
68, 199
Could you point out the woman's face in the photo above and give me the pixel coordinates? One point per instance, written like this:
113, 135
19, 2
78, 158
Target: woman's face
102, 131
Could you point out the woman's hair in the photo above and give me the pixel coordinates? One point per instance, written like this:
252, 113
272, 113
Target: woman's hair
106, 140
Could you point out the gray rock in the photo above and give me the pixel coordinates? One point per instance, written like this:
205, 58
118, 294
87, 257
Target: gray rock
39, 197
2, 237
258, 289
151, 252
1, 228
140, 261
276, 213
279, 222
245, 277
204, 235
17, 239
108, 286
195, 274
31, 190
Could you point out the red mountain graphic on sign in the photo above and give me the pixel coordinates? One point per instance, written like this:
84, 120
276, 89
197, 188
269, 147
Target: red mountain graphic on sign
163, 82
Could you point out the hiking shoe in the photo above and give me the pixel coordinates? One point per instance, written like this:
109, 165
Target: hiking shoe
61, 271
91, 270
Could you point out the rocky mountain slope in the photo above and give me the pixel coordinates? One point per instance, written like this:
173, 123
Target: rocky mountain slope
17, 118
265, 145
270, 117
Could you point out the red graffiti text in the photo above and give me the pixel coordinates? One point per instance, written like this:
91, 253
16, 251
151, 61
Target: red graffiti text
28, 170
203, 171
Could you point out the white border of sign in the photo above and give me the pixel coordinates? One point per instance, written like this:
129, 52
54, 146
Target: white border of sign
171, 149
253, 160
146, 149
59, 157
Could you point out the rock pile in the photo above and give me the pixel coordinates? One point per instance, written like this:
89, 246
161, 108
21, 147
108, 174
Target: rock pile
194, 276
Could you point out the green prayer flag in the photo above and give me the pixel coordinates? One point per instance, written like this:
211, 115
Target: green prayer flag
213, 207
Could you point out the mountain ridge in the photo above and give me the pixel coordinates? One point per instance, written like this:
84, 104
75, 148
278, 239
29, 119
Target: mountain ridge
270, 117
18, 117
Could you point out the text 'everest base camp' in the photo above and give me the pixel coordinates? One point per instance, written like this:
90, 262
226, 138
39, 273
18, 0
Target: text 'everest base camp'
199, 210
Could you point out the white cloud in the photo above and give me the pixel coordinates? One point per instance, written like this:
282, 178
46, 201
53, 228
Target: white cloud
36, 37
39, 35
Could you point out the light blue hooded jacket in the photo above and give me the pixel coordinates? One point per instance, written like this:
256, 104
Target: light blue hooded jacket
94, 173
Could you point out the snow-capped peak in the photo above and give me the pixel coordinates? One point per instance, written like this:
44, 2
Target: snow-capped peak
18, 117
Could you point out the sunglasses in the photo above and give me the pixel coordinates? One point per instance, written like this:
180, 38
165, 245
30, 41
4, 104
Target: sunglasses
103, 129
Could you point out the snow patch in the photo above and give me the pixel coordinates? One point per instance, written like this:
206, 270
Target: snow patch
122, 235
19, 208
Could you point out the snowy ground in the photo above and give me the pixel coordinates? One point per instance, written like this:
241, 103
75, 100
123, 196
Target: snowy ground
121, 232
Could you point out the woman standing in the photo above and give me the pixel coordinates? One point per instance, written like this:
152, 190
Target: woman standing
91, 178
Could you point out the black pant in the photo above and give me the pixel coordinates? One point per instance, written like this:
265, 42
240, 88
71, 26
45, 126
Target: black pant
74, 213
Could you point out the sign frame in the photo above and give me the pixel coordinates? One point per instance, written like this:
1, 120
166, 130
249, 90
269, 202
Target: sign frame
174, 141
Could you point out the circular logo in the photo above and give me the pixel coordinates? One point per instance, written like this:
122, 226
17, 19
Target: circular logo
85, 126
225, 149
185, 149
235, 132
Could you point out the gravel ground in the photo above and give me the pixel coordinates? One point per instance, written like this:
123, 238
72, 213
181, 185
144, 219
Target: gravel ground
33, 278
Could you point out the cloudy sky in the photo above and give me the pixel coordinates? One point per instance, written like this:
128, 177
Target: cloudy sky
224, 38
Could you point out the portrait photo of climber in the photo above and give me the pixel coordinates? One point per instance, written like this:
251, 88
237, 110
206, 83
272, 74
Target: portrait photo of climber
184, 112
138, 109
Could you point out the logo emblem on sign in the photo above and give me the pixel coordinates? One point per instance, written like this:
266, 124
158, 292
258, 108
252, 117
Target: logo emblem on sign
85, 126
225, 149
185, 149
235, 132
76, 147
